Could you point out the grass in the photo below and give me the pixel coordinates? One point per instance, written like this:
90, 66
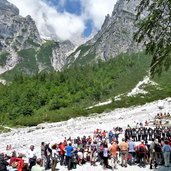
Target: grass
31, 42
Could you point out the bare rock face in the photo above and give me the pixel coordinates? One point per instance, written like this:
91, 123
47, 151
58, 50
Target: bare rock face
8, 8
16, 32
60, 54
115, 36
20, 44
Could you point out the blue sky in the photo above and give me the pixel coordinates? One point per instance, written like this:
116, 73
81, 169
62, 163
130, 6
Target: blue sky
66, 19
71, 6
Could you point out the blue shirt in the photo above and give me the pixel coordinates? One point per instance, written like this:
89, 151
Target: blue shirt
166, 148
69, 150
131, 146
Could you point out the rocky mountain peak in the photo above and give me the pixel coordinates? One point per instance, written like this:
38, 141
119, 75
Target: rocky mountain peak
16, 32
21, 47
115, 35
6, 8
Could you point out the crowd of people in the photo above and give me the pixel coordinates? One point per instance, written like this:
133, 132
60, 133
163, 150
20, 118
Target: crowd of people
140, 145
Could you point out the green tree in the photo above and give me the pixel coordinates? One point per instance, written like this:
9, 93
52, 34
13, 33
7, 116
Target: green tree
154, 30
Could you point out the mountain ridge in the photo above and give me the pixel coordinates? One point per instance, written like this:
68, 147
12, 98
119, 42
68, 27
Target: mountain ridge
18, 34
114, 37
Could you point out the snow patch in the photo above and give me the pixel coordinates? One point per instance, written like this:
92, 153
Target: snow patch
77, 54
101, 104
139, 87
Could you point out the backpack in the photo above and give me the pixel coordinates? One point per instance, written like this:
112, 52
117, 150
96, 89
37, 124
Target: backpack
141, 149
157, 148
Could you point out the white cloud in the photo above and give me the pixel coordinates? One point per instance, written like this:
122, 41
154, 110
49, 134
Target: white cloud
65, 25
49, 21
97, 10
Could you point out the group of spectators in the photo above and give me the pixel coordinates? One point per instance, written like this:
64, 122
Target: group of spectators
104, 147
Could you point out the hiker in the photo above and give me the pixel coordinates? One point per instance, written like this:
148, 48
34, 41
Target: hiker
158, 152
3, 163
38, 166
48, 153
105, 156
62, 153
131, 147
166, 152
152, 155
93, 157
113, 149
54, 156
142, 149
42, 148
69, 150
124, 152
111, 136
32, 157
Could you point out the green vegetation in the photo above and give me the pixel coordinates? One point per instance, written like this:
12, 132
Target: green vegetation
24, 30
45, 52
57, 96
3, 58
27, 64
155, 27
31, 42
30, 59
85, 56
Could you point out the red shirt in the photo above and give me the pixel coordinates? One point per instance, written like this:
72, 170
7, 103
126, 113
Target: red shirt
12, 159
62, 149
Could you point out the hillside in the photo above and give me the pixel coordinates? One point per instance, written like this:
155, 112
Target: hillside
83, 126
59, 96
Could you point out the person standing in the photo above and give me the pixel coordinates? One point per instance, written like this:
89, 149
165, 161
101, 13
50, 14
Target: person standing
152, 154
105, 156
124, 152
69, 151
62, 153
142, 150
48, 153
113, 149
166, 151
32, 157
43, 152
131, 147
54, 156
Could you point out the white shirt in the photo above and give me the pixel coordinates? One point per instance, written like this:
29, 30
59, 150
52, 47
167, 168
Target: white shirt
31, 154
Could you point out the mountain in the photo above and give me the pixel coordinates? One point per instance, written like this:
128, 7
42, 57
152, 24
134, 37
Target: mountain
114, 37
22, 49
